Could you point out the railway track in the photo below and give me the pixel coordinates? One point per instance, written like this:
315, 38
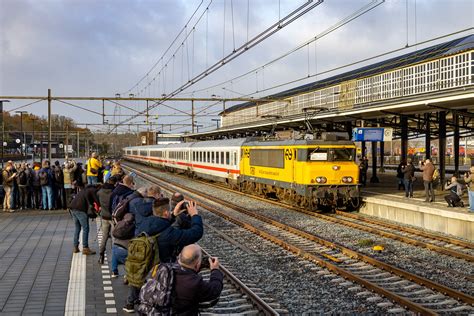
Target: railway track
449, 246
406, 289
238, 297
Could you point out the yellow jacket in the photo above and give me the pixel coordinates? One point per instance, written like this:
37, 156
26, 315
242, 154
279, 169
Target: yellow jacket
95, 164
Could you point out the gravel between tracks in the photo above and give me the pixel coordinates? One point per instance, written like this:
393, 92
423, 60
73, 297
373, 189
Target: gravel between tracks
452, 272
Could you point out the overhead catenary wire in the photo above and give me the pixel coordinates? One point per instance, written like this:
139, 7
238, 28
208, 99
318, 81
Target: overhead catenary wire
288, 19
166, 51
363, 10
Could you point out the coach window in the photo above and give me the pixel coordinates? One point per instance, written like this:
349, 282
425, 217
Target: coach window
212, 157
222, 157
227, 158
235, 158
217, 157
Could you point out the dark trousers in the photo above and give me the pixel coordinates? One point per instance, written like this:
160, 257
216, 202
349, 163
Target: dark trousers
133, 294
429, 191
408, 187
68, 197
452, 199
363, 177
23, 196
37, 197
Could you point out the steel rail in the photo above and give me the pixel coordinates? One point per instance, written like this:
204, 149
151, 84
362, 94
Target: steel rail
260, 304
349, 252
405, 239
454, 241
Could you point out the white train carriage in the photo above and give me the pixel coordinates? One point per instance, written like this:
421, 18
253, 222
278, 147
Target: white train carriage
217, 160
214, 160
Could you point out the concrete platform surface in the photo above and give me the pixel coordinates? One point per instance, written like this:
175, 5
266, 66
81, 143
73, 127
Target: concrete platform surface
39, 275
383, 199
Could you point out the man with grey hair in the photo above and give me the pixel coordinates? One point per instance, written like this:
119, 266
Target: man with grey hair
189, 287
428, 170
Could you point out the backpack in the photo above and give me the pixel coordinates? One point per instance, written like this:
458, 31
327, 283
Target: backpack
125, 229
121, 207
436, 174
43, 177
22, 178
141, 257
155, 295
58, 175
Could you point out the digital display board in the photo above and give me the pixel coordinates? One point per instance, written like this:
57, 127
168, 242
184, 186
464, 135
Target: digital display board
372, 134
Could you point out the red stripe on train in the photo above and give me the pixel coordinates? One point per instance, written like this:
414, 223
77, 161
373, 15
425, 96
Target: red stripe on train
233, 171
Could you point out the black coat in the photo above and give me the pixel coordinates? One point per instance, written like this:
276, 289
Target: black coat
190, 290
409, 172
104, 195
85, 198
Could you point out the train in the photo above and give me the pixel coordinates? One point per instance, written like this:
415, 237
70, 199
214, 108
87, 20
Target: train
313, 174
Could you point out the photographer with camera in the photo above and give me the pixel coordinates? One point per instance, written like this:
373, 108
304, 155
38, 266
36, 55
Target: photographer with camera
8, 177
180, 217
455, 192
428, 170
189, 288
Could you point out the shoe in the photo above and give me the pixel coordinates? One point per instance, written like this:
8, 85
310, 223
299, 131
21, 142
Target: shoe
125, 281
87, 251
115, 275
101, 258
12, 211
129, 308
76, 250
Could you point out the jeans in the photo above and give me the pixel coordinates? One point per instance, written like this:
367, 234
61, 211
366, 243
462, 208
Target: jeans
47, 197
37, 196
119, 254
408, 187
81, 221
429, 191
23, 189
105, 227
471, 200
133, 293
91, 179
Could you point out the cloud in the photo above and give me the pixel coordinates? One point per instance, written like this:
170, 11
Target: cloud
101, 47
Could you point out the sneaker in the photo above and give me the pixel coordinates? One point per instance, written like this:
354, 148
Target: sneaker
75, 250
129, 308
115, 274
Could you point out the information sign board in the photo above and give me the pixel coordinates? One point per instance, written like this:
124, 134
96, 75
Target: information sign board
372, 134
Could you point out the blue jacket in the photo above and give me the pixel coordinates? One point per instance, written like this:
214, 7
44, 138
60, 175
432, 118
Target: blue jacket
172, 239
121, 191
141, 208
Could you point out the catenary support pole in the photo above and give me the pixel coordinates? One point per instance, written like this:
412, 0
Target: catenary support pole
456, 142
404, 136
374, 178
428, 135
382, 156
442, 146
49, 125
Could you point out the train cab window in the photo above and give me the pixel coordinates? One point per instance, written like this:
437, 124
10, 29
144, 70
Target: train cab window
326, 154
227, 158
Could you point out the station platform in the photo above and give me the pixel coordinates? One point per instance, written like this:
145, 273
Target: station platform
39, 275
384, 200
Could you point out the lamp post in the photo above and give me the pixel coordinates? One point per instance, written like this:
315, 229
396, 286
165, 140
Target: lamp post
33, 119
217, 122
23, 152
3, 128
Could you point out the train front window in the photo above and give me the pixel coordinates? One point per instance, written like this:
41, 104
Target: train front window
326, 154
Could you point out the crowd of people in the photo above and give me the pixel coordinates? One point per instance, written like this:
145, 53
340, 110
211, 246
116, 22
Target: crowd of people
150, 234
47, 186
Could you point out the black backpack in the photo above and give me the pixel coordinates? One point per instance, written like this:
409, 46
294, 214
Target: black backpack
125, 229
58, 175
43, 178
121, 207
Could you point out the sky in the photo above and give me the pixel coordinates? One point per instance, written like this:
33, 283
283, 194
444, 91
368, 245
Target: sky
103, 47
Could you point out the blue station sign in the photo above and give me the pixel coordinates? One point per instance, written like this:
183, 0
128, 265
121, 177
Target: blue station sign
372, 134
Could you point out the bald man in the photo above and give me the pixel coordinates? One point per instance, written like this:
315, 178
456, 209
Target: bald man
189, 288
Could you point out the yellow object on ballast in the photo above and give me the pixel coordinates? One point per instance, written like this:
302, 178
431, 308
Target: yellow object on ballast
378, 248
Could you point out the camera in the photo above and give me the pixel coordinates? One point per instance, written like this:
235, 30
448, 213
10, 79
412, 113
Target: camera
184, 206
205, 262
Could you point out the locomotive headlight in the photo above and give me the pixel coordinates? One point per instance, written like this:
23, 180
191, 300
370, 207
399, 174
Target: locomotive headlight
321, 180
335, 167
347, 179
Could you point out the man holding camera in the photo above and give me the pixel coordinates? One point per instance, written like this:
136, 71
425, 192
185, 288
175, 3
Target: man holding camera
170, 240
455, 192
189, 288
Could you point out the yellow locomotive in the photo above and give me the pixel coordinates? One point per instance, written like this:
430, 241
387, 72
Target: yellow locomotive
314, 174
